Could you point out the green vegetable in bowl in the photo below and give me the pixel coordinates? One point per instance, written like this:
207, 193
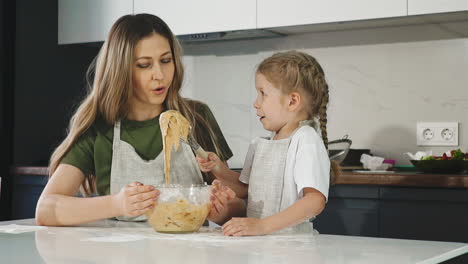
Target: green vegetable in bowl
455, 155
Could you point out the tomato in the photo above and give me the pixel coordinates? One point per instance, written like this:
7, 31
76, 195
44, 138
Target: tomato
444, 157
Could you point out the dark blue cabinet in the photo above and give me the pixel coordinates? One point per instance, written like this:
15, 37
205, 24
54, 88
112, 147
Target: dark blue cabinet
26, 192
350, 210
438, 214
426, 214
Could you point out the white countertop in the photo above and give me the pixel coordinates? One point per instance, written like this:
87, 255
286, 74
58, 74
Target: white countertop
111, 241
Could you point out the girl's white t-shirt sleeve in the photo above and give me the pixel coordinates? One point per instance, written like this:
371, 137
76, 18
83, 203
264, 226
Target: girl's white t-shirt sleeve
245, 173
312, 168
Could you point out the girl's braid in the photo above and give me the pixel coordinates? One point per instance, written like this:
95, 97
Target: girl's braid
335, 170
323, 115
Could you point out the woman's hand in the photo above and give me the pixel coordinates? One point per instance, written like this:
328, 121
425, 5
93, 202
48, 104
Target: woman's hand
210, 163
220, 198
135, 199
244, 227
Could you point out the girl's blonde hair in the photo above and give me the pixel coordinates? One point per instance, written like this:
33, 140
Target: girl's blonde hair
111, 89
294, 71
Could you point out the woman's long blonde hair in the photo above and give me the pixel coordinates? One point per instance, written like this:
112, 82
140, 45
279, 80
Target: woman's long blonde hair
294, 71
111, 89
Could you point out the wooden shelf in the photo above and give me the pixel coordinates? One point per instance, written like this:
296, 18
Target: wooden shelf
415, 179
24, 170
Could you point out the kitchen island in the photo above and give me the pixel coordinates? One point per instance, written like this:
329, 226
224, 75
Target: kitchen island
110, 241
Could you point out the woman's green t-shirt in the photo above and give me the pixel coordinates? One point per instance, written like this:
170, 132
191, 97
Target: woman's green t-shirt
92, 153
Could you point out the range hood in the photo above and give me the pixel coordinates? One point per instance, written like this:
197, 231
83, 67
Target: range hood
229, 35
427, 19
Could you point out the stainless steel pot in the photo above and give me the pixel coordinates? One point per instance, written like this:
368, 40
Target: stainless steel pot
338, 149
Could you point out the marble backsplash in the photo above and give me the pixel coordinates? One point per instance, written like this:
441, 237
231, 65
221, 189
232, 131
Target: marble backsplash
382, 81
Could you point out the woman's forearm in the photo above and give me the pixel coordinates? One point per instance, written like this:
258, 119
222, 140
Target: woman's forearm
235, 208
309, 206
62, 210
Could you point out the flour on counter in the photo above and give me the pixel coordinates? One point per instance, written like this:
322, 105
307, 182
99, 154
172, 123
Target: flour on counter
205, 234
116, 238
18, 229
209, 234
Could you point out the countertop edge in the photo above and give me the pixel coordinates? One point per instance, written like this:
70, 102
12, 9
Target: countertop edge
447, 256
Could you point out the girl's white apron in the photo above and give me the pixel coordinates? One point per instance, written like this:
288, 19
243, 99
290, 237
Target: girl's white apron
266, 193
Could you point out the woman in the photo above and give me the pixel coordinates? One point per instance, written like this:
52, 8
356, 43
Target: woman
114, 143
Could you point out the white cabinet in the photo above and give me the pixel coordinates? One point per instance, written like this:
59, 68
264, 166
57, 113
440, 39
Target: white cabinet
82, 21
278, 13
419, 7
201, 16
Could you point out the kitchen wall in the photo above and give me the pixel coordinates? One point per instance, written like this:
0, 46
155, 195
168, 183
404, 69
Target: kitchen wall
382, 81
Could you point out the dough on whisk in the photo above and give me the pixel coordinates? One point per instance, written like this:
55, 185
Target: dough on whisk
174, 126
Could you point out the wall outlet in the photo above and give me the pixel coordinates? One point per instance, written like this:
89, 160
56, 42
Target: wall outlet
437, 133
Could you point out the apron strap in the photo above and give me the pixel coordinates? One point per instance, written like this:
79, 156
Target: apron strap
302, 123
116, 139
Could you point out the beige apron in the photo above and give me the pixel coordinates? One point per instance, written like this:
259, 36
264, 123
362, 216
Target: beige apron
128, 167
266, 181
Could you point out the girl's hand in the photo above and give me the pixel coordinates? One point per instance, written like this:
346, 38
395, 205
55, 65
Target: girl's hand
220, 198
135, 199
210, 163
244, 227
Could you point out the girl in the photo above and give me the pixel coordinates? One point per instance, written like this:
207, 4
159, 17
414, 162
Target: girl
114, 137
286, 176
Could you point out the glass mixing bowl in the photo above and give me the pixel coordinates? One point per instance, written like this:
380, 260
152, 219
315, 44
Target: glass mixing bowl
180, 209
